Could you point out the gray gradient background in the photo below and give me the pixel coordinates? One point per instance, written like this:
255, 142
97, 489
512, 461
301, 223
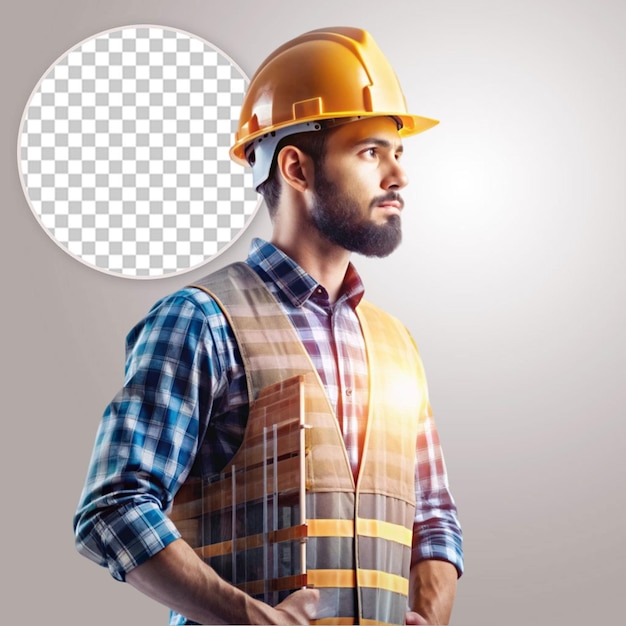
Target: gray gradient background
511, 278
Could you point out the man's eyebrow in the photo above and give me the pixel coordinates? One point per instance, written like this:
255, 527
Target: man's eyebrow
382, 143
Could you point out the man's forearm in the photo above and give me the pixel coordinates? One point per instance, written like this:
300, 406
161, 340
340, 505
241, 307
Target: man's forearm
179, 579
432, 590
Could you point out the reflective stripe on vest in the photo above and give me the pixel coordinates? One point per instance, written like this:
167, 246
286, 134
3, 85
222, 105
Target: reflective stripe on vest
358, 536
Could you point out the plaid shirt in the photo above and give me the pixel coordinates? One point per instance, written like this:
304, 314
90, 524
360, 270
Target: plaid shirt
184, 405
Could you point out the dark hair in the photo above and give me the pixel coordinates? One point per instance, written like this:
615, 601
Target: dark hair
312, 143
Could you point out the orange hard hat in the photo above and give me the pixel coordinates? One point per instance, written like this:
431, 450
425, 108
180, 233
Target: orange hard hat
325, 74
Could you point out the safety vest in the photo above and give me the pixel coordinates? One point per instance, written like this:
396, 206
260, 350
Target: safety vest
357, 534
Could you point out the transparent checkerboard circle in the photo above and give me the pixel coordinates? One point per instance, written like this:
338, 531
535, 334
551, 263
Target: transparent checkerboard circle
123, 152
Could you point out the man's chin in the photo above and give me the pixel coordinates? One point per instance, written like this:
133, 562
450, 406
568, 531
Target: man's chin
380, 242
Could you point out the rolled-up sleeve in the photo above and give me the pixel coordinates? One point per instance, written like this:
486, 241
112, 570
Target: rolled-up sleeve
149, 435
436, 532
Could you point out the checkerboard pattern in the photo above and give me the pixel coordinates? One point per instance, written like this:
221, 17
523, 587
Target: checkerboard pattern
123, 152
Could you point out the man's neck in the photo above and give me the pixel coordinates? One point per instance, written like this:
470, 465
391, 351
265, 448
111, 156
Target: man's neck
325, 262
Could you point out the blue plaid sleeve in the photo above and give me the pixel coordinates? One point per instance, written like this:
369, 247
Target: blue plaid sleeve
149, 434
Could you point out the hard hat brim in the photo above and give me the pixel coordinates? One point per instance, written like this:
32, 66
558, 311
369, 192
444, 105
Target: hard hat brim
411, 125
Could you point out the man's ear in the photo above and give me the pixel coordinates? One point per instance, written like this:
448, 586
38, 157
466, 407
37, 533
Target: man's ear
295, 167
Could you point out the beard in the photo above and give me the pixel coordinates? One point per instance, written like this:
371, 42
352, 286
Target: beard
338, 217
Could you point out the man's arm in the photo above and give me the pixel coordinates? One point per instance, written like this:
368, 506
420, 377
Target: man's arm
146, 444
179, 579
431, 592
437, 559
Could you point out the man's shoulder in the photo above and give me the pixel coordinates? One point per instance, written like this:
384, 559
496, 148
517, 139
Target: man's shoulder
203, 298
186, 315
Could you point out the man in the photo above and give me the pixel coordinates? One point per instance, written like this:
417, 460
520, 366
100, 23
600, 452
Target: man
322, 127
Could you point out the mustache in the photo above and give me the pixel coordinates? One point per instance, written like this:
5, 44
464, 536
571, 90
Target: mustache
390, 196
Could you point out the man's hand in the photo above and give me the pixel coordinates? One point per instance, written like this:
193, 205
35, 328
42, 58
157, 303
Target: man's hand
298, 608
414, 618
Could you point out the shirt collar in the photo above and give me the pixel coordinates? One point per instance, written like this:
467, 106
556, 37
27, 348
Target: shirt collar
276, 268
